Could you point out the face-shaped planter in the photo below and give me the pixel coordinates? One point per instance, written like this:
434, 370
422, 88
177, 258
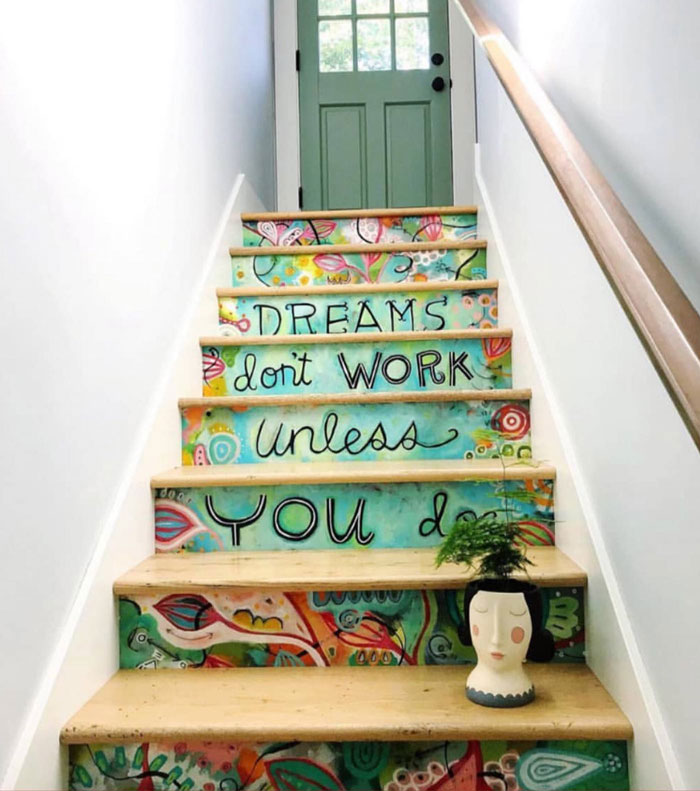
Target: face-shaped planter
500, 619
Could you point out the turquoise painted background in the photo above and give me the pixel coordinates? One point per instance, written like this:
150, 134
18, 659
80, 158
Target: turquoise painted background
323, 269
363, 312
331, 516
388, 366
356, 432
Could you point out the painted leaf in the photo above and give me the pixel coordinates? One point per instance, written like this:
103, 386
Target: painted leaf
188, 612
158, 762
547, 770
301, 774
324, 228
330, 262
81, 775
268, 230
138, 758
535, 533
432, 227
175, 524
495, 348
212, 366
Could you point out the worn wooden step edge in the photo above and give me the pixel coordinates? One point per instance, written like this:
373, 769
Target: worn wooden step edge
358, 288
310, 399
413, 211
327, 569
417, 471
339, 704
355, 337
345, 249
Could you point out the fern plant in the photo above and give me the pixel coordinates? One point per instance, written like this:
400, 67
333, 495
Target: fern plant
486, 543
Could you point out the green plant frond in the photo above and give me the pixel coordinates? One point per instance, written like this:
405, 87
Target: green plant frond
486, 543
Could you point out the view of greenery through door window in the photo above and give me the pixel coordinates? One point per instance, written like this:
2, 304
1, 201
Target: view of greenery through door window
373, 35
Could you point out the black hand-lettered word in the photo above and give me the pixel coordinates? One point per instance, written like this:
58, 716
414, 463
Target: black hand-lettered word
355, 528
326, 438
432, 523
343, 316
271, 376
397, 368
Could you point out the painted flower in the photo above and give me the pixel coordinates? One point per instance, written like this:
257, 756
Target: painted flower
511, 420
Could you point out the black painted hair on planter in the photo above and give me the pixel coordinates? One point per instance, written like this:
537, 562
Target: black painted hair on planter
541, 648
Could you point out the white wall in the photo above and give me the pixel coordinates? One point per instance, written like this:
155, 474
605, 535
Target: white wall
463, 108
627, 453
123, 126
625, 77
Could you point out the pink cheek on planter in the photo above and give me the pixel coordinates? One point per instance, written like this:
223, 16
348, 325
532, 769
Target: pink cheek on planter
475, 630
518, 634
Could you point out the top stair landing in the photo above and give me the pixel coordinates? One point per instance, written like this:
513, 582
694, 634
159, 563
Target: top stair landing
360, 226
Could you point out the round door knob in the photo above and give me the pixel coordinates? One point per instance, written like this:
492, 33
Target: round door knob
438, 84
437, 59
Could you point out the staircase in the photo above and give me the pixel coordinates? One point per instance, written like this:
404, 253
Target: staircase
358, 398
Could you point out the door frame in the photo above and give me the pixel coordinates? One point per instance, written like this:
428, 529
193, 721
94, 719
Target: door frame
287, 140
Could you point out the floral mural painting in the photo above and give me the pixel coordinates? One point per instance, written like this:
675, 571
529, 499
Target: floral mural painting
232, 628
352, 766
365, 230
312, 268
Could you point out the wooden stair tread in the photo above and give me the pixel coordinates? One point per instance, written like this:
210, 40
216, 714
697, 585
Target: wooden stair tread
356, 288
404, 396
321, 570
277, 473
339, 704
412, 211
346, 249
355, 337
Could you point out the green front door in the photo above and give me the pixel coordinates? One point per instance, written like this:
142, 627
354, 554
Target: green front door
374, 100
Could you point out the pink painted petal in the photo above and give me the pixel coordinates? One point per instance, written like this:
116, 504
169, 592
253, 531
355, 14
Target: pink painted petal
330, 262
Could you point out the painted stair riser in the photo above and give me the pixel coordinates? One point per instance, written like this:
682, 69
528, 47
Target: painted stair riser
269, 628
353, 230
355, 313
377, 366
333, 268
342, 515
356, 432
536, 765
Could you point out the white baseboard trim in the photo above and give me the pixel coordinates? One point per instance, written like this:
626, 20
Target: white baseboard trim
642, 709
85, 657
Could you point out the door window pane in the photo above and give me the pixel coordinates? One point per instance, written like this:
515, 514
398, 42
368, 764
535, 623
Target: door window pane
372, 6
412, 43
335, 45
373, 45
334, 7
411, 6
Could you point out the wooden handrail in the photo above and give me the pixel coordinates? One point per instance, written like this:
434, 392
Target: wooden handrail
662, 315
